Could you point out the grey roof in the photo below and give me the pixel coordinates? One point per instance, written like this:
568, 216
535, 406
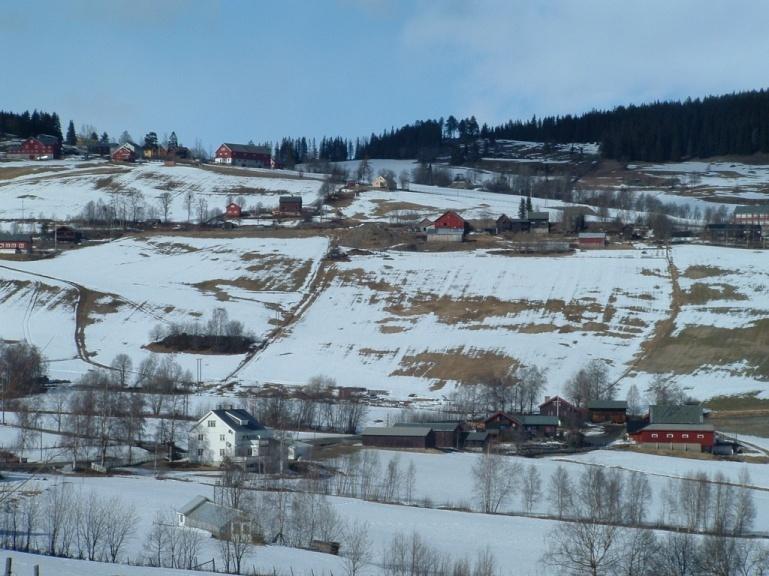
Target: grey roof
539, 216
540, 420
290, 198
415, 431
589, 235
239, 420
249, 148
477, 436
607, 405
668, 414
680, 427
436, 426
208, 513
192, 504
47, 139
757, 209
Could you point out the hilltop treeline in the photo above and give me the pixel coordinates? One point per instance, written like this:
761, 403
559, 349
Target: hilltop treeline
26, 124
661, 131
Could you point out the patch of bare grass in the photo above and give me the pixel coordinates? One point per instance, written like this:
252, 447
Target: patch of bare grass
467, 366
698, 272
700, 293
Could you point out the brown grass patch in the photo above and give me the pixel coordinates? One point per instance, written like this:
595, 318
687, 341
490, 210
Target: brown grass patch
698, 346
385, 329
378, 354
173, 247
465, 366
451, 311
699, 272
700, 293
386, 207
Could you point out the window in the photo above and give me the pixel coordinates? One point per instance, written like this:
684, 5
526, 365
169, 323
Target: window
655, 435
700, 436
229, 431
684, 436
212, 423
200, 451
668, 435
221, 452
221, 437
201, 436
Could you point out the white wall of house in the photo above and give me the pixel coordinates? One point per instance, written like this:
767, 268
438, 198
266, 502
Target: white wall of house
211, 441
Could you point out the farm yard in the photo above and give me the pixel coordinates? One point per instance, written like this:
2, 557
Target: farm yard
361, 313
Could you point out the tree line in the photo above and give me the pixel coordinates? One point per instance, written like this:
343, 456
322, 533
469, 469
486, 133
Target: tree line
25, 124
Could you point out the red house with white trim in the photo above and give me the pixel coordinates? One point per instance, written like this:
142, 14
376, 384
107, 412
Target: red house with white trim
43, 147
688, 437
16, 245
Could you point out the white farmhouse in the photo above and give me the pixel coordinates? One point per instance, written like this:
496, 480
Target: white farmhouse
232, 434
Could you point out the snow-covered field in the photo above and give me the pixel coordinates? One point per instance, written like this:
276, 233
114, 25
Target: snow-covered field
58, 190
442, 481
144, 282
408, 321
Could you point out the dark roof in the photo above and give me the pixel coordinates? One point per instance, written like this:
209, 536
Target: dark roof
539, 420
668, 414
4, 238
539, 216
414, 431
607, 405
290, 198
239, 419
249, 148
436, 426
757, 209
48, 139
559, 398
477, 436
681, 427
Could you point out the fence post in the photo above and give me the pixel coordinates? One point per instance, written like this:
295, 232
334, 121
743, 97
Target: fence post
8, 564
36, 570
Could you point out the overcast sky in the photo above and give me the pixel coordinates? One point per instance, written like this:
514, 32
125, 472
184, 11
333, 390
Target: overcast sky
252, 69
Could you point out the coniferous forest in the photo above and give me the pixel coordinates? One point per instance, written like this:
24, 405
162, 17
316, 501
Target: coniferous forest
25, 124
657, 132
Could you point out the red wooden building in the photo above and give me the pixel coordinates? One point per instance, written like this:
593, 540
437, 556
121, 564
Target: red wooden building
16, 245
125, 153
41, 148
290, 205
588, 240
691, 437
450, 220
233, 210
560, 407
243, 155
531, 424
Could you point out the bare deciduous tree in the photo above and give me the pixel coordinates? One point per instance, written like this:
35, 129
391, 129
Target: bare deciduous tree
357, 548
495, 478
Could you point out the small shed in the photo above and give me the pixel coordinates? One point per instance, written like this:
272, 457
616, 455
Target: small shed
203, 514
290, 205
614, 411
591, 240
479, 440
233, 210
539, 222
399, 437
380, 182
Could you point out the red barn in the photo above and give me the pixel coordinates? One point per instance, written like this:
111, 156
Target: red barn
449, 227
16, 245
690, 437
43, 147
244, 155
233, 210
588, 240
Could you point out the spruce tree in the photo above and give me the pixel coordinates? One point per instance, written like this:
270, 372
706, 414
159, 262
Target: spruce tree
528, 204
173, 142
71, 139
522, 209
